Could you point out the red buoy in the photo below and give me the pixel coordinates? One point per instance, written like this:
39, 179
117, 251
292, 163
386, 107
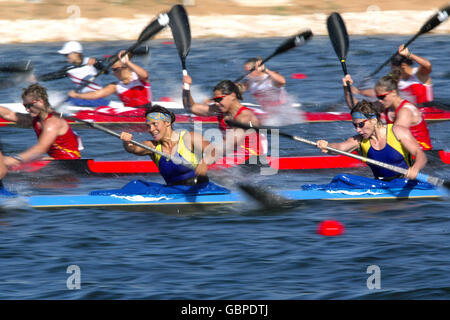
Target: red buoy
330, 228
165, 99
299, 76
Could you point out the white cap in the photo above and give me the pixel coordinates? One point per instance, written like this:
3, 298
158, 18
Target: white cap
71, 46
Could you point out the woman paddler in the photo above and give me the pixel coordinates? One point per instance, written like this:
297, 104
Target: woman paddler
391, 144
133, 87
400, 111
55, 136
188, 146
225, 105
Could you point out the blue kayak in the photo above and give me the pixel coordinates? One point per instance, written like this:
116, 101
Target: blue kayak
140, 193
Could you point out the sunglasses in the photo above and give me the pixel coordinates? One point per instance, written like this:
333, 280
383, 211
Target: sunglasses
29, 105
117, 69
218, 99
382, 96
360, 124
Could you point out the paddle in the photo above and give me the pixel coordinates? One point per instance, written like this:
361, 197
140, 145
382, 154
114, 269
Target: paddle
431, 23
420, 177
339, 39
62, 73
181, 32
295, 41
155, 26
17, 67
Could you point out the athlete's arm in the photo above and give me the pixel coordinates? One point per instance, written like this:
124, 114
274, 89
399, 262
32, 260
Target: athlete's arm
349, 145
409, 142
132, 148
20, 118
92, 95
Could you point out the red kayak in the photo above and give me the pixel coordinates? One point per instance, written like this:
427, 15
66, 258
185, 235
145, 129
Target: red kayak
294, 163
137, 116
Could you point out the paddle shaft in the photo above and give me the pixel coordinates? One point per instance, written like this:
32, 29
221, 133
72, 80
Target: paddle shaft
349, 86
420, 177
290, 43
115, 134
391, 57
431, 23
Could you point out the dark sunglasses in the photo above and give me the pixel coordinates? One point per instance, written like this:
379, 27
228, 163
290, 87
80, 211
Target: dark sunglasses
28, 105
360, 124
382, 96
218, 99
116, 69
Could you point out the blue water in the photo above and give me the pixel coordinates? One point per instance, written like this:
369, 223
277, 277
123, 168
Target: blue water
239, 252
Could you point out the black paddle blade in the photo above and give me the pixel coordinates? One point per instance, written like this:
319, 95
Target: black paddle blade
21, 66
153, 28
435, 20
269, 199
181, 31
141, 51
338, 35
293, 42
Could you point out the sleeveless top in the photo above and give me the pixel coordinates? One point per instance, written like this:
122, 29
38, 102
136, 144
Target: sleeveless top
64, 147
136, 93
414, 90
393, 153
79, 75
419, 131
265, 92
252, 144
172, 172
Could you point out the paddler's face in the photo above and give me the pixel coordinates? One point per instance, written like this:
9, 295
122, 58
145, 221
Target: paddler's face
385, 97
365, 127
74, 58
249, 66
120, 70
159, 129
223, 101
33, 106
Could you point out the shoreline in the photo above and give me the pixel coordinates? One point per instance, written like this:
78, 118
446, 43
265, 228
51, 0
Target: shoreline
405, 22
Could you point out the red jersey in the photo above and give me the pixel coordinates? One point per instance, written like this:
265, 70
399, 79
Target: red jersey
134, 94
253, 143
64, 147
419, 131
414, 90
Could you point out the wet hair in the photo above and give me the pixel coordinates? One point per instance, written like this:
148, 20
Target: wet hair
228, 87
389, 82
36, 91
397, 60
253, 61
158, 108
367, 108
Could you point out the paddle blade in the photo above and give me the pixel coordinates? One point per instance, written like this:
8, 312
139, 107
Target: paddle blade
435, 20
268, 199
295, 41
181, 32
338, 35
159, 23
141, 51
22, 66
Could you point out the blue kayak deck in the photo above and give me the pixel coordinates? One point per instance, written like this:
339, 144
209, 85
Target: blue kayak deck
71, 201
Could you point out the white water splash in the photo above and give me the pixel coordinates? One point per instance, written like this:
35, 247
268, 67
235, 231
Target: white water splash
139, 198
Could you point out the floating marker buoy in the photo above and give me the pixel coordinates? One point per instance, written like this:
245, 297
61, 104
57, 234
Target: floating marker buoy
330, 228
299, 76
